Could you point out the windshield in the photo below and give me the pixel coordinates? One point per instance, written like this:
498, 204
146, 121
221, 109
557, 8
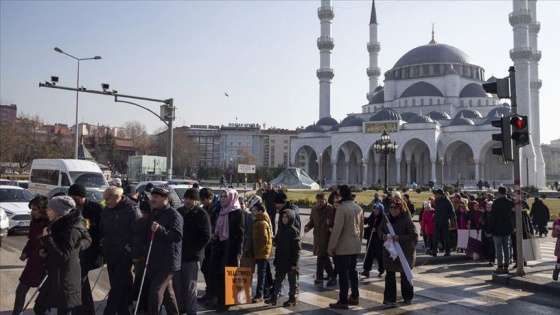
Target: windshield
88, 179
94, 195
15, 195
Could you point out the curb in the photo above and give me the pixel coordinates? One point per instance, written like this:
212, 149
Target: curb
528, 283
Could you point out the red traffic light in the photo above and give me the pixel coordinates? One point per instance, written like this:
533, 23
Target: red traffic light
519, 122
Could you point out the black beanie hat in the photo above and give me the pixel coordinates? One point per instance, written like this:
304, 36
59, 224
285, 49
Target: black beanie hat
280, 197
77, 190
192, 193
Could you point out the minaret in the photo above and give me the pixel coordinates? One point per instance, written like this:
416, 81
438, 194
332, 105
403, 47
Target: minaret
373, 47
325, 44
523, 55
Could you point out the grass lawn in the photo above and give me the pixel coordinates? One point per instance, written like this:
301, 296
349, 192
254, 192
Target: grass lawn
417, 198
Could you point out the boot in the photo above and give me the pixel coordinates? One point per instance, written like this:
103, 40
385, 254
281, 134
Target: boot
332, 282
365, 273
291, 301
555, 274
273, 300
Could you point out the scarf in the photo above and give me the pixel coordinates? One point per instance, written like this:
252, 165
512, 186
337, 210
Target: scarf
222, 223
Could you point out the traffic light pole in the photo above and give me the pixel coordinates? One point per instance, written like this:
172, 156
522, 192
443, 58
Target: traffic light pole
517, 184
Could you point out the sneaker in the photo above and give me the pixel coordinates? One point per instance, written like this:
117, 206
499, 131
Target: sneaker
353, 300
380, 274
365, 273
490, 264
331, 282
272, 301
505, 271
338, 306
555, 274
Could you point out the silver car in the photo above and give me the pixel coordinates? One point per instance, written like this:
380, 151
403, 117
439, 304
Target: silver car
15, 203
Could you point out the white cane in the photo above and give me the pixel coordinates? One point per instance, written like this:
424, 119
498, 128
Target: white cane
35, 293
144, 275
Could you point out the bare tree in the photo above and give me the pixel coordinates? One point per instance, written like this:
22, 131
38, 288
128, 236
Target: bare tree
245, 156
136, 131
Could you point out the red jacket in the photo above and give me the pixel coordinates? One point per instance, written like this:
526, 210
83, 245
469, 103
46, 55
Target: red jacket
428, 221
34, 270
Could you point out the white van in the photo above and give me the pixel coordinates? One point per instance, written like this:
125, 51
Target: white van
47, 174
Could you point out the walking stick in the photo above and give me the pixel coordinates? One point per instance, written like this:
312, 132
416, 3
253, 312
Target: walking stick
35, 293
144, 274
369, 244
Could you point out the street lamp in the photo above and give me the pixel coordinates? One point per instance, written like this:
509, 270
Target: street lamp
76, 140
320, 164
385, 147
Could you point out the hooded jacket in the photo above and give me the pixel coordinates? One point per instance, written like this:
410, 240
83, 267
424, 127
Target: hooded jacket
287, 242
196, 233
262, 236
500, 222
443, 211
63, 287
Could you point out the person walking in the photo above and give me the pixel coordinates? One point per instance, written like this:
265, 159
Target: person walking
427, 227
91, 212
34, 271
374, 246
61, 244
443, 213
120, 242
318, 223
500, 226
540, 214
165, 258
407, 237
487, 241
346, 243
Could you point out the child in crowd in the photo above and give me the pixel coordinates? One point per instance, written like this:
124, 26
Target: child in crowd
427, 227
286, 260
262, 248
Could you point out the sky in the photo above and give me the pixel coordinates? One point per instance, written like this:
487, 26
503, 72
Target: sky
263, 54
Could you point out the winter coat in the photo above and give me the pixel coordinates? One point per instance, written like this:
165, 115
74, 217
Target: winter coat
500, 222
262, 236
474, 218
196, 233
408, 238
526, 224
462, 218
318, 222
212, 214
428, 222
34, 270
540, 213
556, 234
248, 234
167, 244
92, 213
224, 253
297, 222
443, 211
287, 242
348, 229
63, 287
118, 228
268, 198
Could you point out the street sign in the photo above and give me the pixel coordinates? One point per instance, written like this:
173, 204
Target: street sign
247, 169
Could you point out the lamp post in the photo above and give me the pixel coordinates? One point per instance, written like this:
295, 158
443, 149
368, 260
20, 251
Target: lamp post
320, 164
385, 147
76, 140
442, 163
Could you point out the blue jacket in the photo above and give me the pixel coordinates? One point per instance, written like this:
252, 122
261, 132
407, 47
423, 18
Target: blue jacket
118, 228
167, 246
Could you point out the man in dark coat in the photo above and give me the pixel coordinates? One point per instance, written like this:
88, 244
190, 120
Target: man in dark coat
91, 212
166, 228
196, 235
443, 212
120, 243
269, 196
318, 222
209, 205
540, 215
500, 225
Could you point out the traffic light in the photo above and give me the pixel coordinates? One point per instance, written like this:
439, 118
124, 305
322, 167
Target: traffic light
520, 130
506, 151
500, 87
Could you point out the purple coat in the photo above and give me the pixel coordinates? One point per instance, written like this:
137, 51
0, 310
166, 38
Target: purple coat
34, 270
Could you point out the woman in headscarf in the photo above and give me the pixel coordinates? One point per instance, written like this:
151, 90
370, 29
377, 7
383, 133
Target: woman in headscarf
227, 241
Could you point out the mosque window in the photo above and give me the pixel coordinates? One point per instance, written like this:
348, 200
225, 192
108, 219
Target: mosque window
486, 102
470, 102
413, 102
479, 103
441, 70
431, 70
431, 101
460, 70
421, 101
421, 71
462, 103
438, 101
405, 103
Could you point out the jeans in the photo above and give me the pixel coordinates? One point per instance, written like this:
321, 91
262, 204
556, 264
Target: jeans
21, 292
185, 286
262, 285
390, 293
501, 243
442, 235
347, 273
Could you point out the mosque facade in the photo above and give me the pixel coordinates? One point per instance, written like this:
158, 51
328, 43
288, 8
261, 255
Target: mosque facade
433, 107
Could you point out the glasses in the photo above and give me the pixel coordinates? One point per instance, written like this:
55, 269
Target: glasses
394, 207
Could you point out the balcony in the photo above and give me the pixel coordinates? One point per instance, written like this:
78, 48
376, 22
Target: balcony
373, 71
325, 13
520, 53
325, 42
373, 47
325, 73
520, 17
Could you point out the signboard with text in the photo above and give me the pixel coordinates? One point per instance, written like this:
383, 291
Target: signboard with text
247, 169
238, 285
379, 127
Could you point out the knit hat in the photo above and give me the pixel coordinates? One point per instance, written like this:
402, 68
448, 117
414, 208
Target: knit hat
379, 206
191, 193
427, 205
116, 182
280, 197
161, 190
253, 201
440, 191
61, 204
397, 194
77, 190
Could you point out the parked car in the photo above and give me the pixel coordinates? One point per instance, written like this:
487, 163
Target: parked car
92, 193
14, 201
4, 225
21, 183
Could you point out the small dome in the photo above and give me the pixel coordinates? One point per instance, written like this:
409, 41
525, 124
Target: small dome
439, 115
501, 110
385, 114
313, 128
378, 88
421, 89
378, 98
469, 113
327, 121
335, 128
492, 79
473, 90
343, 122
407, 116
461, 121
355, 121
420, 119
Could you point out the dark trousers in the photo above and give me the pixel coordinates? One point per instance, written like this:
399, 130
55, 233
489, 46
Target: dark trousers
293, 281
142, 301
87, 307
262, 284
347, 277
120, 280
324, 264
390, 293
442, 235
21, 292
374, 251
161, 293
41, 310
488, 247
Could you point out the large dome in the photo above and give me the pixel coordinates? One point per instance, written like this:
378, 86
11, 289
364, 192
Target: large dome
433, 53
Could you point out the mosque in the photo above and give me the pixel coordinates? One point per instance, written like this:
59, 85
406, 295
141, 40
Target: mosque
433, 107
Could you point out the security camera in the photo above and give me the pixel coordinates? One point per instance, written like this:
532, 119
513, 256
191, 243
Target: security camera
83, 88
105, 86
54, 80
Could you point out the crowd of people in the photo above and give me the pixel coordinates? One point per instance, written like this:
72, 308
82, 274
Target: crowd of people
154, 249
